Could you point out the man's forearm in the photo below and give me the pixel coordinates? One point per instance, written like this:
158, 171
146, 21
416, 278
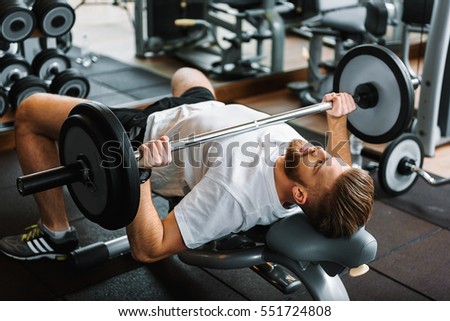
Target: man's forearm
337, 139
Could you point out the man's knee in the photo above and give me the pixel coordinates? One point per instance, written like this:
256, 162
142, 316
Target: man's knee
186, 78
24, 111
185, 72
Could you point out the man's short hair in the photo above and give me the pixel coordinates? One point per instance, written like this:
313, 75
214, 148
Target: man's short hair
346, 207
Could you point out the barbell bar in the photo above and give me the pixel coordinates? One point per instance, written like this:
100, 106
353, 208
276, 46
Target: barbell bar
246, 127
106, 189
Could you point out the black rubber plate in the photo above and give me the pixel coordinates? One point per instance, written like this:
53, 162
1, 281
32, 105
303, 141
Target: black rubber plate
94, 134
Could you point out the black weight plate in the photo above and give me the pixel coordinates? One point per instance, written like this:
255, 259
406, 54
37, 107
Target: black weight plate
380, 67
394, 183
50, 62
12, 68
3, 102
93, 133
71, 83
25, 87
16, 21
55, 17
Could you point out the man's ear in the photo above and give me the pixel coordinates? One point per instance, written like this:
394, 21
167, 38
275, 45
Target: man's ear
299, 194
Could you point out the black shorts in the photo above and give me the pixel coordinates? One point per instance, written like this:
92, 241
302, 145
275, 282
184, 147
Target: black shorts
134, 120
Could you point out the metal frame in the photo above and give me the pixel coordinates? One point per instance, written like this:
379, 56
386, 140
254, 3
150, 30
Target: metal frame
436, 54
268, 11
316, 266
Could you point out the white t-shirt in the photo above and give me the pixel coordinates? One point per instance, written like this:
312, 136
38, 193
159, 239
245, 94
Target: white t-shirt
227, 184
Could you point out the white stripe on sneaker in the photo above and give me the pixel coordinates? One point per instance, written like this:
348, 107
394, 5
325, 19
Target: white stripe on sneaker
38, 245
44, 242
31, 246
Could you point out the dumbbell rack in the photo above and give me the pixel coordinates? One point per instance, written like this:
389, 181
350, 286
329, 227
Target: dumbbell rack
42, 22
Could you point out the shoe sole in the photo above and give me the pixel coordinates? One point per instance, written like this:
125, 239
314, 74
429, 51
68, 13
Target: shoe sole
54, 256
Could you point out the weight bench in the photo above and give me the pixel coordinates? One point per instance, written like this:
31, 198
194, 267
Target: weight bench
287, 254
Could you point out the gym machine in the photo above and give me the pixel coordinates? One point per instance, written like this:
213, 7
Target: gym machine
288, 252
433, 118
347, 23
192, 31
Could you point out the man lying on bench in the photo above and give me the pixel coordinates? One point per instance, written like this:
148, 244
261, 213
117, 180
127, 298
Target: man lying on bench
228, 185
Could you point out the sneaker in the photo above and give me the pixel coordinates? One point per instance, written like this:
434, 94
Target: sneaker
36, 243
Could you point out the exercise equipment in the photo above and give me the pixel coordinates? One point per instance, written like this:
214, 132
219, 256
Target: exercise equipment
416, 18
368, 24
287, 254
108, 194
16, 78
389, 75
3, 102
54, 17
54, 68
12, 68
196, 35
17, 21
401, 165
24, 88
433, 118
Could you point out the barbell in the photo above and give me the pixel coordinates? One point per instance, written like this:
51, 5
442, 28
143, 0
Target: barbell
106, 187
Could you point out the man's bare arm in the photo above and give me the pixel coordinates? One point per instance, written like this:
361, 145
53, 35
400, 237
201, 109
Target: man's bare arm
337, 142
152, 239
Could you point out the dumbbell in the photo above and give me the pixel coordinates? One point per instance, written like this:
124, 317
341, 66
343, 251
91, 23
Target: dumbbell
54, 17
52, 66
17, 21
15, 76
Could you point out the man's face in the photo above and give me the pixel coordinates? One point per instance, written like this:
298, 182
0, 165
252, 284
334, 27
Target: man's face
316, 167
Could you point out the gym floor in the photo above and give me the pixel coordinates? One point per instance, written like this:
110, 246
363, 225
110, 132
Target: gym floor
412, 231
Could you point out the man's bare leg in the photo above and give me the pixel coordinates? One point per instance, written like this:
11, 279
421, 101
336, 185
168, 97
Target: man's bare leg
38, 121
186, 78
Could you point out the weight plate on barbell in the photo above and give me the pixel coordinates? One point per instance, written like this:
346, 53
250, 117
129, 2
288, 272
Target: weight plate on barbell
93, 134
70, 82
50, 62
407, 146
382, 69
